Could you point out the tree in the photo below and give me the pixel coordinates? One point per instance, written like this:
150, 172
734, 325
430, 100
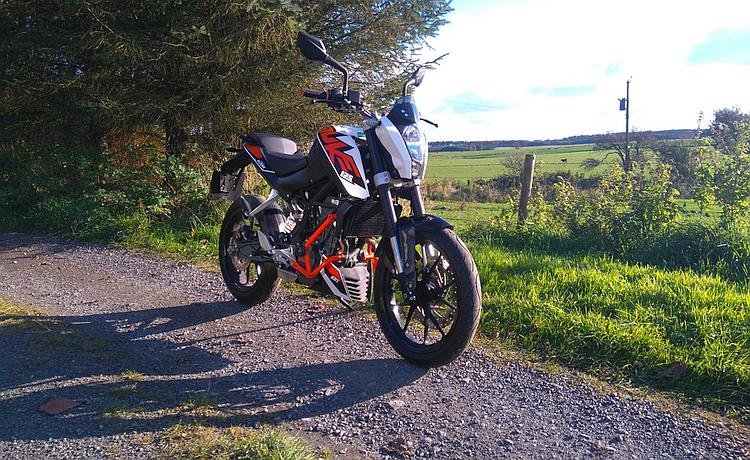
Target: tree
724, 175
681, 156
514, 163
194, 71
726, 129
639, 142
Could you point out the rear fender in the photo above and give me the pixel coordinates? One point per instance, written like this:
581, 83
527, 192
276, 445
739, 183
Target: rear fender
227, 182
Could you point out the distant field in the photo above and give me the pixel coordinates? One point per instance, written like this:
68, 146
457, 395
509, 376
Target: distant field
463, 214
485, 164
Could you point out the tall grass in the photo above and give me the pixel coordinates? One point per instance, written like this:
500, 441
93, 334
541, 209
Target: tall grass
702, 246
633, 320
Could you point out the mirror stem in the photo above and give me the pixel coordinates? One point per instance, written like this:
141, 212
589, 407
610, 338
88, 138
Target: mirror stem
338, 66
406, 85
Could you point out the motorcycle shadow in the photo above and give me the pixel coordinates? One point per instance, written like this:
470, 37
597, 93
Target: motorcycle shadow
176, 382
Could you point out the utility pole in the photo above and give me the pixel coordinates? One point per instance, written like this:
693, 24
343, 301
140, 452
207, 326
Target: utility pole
627, 119
625, 105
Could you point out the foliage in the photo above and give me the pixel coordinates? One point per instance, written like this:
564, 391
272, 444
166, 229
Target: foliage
501, 187
193, 72
514, 163
196, 442
631, 152
724, 173
727, 128
108, 196
631, 217
681, 156
622, 211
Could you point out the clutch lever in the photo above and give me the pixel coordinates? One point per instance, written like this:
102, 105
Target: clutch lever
430, 122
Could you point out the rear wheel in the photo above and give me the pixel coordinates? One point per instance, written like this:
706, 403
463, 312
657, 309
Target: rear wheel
439, 326
249, 282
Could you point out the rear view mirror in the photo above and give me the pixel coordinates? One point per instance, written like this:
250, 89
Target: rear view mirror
311, 47
418, 76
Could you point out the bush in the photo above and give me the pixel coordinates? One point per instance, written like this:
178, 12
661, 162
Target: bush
724, 177
633, 217
621, 212
106, 195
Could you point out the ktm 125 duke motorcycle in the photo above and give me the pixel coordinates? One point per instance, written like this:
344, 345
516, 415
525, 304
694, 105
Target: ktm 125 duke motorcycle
326, 212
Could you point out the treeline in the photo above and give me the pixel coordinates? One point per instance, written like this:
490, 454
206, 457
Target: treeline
464, 146
121, 107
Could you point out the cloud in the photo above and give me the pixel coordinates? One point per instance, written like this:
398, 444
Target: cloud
537, 69
613, 68
563, 91
471, 102
727, 46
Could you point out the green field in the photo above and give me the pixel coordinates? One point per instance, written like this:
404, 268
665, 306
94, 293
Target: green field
464, 214
486, 164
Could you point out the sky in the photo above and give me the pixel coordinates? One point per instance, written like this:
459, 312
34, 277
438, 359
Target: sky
545, 69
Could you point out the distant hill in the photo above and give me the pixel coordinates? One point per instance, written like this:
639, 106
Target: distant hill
462, 146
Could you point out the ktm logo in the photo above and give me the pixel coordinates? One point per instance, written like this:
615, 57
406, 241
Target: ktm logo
335, 148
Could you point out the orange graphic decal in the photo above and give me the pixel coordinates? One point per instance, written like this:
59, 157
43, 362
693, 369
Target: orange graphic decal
335, 149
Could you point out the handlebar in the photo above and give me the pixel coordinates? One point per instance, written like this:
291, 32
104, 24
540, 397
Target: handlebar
314, 94
335, 99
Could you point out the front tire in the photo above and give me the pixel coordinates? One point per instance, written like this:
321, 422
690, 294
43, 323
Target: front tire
449, 301
249, 282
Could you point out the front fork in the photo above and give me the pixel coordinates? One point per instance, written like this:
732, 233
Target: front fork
401, 236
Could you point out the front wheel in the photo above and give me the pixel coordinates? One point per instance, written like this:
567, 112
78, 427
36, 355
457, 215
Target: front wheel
439, 326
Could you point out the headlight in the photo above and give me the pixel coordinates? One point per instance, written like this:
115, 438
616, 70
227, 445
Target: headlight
416, 142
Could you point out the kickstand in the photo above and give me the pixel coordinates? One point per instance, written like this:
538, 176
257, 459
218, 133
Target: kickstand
346, 304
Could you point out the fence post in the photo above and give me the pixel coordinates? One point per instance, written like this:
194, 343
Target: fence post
527, 177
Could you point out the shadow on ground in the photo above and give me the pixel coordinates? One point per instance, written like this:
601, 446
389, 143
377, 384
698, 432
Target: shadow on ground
84, 358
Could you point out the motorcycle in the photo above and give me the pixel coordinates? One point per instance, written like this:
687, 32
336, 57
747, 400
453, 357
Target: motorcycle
332, 222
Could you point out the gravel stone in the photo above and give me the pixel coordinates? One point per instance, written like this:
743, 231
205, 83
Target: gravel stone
327, 373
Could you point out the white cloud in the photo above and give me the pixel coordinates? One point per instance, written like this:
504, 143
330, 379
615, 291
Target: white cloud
517, 53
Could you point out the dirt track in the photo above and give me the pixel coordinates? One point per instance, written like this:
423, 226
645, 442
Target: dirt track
325, 374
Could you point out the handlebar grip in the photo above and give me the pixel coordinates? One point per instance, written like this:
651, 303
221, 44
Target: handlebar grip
311, 93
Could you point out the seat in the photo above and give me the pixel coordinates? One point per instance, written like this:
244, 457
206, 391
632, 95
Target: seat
282, 154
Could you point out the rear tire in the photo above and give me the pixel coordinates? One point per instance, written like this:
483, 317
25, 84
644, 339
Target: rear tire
266, 279
460, 307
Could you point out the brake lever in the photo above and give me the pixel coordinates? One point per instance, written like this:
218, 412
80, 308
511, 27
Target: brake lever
430, 122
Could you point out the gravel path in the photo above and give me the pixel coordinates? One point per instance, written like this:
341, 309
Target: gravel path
326, 374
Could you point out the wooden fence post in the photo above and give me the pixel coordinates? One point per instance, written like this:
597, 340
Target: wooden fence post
527, 177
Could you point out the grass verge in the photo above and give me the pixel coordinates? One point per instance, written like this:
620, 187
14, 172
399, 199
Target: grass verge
669, 329
198, 442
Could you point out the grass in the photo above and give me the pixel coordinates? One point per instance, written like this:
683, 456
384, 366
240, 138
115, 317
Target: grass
463, 214
622, 320
486, 164
132, 375
197, 442
22, 318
